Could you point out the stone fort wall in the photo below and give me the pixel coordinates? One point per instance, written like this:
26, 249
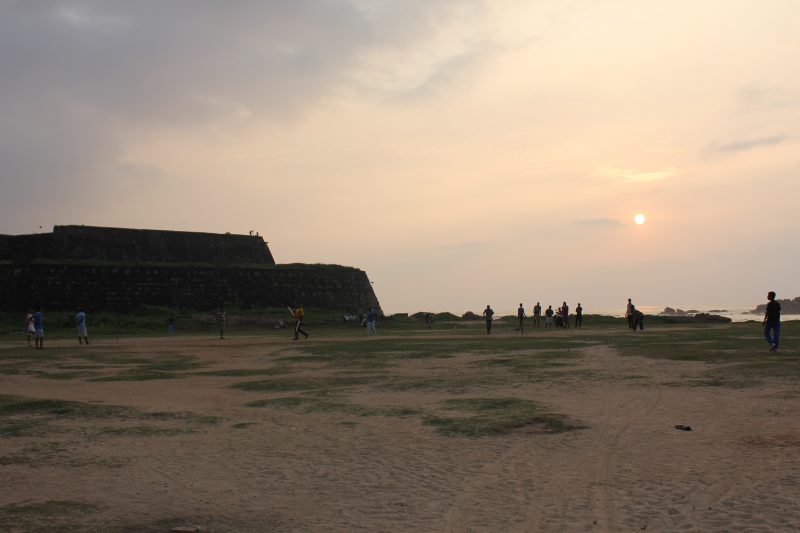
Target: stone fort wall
59, 286
237, 271
83, 243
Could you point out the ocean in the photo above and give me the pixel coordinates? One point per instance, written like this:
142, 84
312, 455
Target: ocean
736, 314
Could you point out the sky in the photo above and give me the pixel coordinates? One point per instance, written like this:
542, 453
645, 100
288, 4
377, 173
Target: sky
461, 152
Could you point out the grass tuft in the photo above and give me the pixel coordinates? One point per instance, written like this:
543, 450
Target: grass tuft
141, 431
246, 372
316, 405
498, 416
308, 384
55, 515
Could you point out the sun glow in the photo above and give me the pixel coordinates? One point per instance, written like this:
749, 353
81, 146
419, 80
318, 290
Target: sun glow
639, 218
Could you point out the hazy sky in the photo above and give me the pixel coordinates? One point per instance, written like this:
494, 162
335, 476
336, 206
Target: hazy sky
461, 152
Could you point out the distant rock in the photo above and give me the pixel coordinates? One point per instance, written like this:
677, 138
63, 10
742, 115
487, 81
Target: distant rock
707, 318
719, 311
421, 315
788, 307
669, 311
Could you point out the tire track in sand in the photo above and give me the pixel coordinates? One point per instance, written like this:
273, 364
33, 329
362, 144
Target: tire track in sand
540, 482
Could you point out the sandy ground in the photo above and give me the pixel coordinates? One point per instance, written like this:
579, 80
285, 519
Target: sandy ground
268, 469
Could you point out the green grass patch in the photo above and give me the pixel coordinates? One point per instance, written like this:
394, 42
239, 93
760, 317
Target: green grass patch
56, 371
453, 385
738, 354
141, 431
184, 416
728, 344
307, 384
532, 361
172, 363
376, 353
13, 369
498, 416
313, 405
165, 366
316, 405
161, 365
400, 411
61, 364
14, 405
22, 428
57, 453
713, 382
749, 374
24, 417
70, 374
53, 515
109, 356
138, 375
246, 372
31, 355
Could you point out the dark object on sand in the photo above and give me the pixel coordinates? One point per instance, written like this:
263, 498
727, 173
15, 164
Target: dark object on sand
683, 428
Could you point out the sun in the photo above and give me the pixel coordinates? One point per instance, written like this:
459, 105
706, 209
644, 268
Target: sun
639, 218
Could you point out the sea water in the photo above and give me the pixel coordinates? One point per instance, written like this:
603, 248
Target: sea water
736, 314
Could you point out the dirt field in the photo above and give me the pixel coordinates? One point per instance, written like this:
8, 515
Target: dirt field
425, 431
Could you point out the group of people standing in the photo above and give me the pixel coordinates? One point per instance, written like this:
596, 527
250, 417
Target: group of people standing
558, 318
34, 327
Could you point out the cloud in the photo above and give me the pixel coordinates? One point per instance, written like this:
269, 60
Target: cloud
755, 95
165, 62
426, 47
83, 78
636, 175
747, 144
188, 61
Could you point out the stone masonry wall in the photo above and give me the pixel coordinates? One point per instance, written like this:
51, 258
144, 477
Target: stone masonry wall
125, 287
89, 243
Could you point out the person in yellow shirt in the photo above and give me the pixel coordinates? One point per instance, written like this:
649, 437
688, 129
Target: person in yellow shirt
298, 322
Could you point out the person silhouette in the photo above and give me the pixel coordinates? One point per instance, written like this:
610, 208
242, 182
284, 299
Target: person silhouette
772, 322
521, 316
537, 315
488, 313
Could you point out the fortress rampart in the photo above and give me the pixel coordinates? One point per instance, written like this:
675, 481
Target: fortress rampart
83, 243
122, 269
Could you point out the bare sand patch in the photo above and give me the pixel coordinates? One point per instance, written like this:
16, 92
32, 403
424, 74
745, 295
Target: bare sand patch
343, 447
